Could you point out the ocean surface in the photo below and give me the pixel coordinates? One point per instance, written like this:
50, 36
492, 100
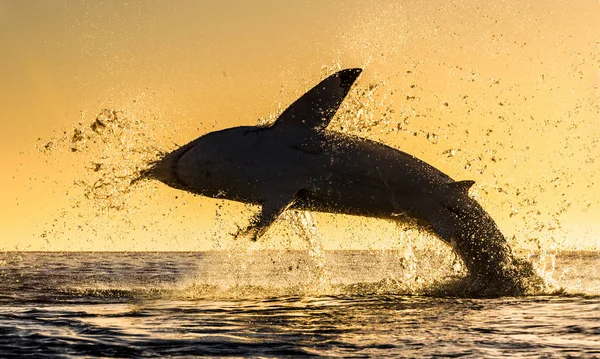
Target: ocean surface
283, 304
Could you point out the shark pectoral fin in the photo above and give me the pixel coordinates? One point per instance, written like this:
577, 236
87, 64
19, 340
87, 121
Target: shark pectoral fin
272, 207
315, 109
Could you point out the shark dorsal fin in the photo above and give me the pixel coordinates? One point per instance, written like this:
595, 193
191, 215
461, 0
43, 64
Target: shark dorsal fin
461, 187
451, 196
315, 109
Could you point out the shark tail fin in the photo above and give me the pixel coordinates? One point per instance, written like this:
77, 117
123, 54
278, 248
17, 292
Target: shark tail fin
315, 109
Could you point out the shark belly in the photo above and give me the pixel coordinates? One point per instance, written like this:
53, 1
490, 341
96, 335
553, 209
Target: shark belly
363, 197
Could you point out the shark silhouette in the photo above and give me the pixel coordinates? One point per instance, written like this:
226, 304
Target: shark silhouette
298, 163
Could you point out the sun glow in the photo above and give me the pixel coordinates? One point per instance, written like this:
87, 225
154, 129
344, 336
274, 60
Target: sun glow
505, 97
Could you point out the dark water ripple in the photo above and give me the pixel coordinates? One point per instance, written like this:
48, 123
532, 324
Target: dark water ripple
130, 305
403, 326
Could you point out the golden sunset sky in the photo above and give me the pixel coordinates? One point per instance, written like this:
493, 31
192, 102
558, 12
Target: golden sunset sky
506, 93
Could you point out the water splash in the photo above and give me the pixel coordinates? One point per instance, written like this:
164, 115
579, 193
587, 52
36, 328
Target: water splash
304, 224
117, 147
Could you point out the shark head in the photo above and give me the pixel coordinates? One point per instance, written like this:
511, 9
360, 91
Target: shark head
165, 169
213, 160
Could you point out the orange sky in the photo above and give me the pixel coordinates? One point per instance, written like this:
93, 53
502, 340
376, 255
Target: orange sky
512, 87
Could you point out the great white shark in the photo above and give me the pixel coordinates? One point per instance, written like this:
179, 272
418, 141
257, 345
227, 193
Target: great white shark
298, 163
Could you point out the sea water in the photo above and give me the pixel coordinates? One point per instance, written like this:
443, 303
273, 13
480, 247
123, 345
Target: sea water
278, 304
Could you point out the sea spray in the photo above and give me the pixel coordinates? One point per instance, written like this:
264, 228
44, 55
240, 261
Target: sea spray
116, 148
304, 224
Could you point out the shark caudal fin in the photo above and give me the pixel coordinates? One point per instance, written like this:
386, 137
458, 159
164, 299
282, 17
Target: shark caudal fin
315, 109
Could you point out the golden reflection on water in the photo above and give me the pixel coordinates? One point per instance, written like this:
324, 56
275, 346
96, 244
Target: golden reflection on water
503, 93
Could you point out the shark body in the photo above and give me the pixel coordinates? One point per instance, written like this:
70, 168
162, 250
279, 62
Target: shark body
298, 163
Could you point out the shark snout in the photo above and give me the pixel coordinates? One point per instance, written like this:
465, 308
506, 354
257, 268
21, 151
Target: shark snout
165, 171
160, 170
